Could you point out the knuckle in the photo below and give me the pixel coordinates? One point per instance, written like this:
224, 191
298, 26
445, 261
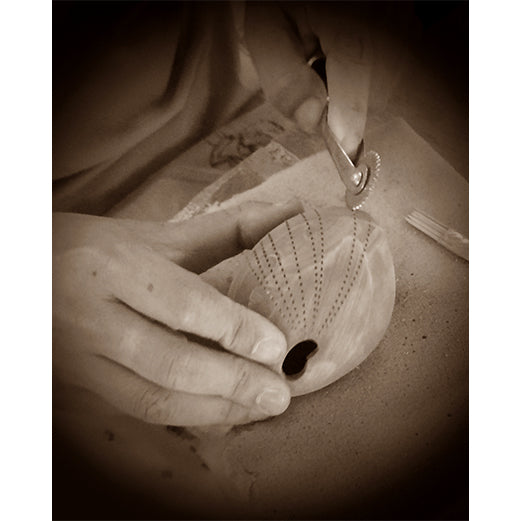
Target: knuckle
236, 333
229, 412
246, 226
242, 382
187, 316
170, 368
153, 406
240, 216
104, 259
130, 341
176, 366
246, 211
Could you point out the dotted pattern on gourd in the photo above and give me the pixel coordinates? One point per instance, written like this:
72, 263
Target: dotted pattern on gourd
342, 292
271, 272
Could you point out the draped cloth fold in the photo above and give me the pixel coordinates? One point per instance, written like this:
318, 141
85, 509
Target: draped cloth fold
133, 87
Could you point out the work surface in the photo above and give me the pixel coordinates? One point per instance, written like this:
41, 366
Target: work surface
387, 440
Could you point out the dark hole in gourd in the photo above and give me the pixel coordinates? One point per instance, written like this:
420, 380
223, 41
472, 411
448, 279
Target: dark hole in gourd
295, 361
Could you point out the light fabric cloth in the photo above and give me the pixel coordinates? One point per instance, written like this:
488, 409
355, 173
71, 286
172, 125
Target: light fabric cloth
155, 78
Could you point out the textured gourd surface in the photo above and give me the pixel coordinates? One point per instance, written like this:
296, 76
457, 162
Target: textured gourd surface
327, 276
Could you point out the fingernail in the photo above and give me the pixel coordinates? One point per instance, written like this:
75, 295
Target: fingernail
273, 401
268, 350
308, 114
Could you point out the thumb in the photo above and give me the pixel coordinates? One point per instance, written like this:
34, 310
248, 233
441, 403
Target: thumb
349, 83
279, 57
207, 239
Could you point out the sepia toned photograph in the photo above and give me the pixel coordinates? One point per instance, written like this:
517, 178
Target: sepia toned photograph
260, 260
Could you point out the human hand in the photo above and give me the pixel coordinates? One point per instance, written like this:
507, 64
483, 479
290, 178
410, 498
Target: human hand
282, 36
125, 296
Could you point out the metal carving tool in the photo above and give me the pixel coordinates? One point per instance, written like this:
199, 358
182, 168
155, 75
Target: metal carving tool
442, 234
358, 175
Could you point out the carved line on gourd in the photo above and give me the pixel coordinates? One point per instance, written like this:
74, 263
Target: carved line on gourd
343, 294
299, 274
321, 233
283, 271
261, 280
277, 285
315, 272
347, 273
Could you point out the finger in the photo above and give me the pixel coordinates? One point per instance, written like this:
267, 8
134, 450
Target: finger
205, 240
152, 285
349, 61
279, 57
173, 362
349, 84
137, 397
